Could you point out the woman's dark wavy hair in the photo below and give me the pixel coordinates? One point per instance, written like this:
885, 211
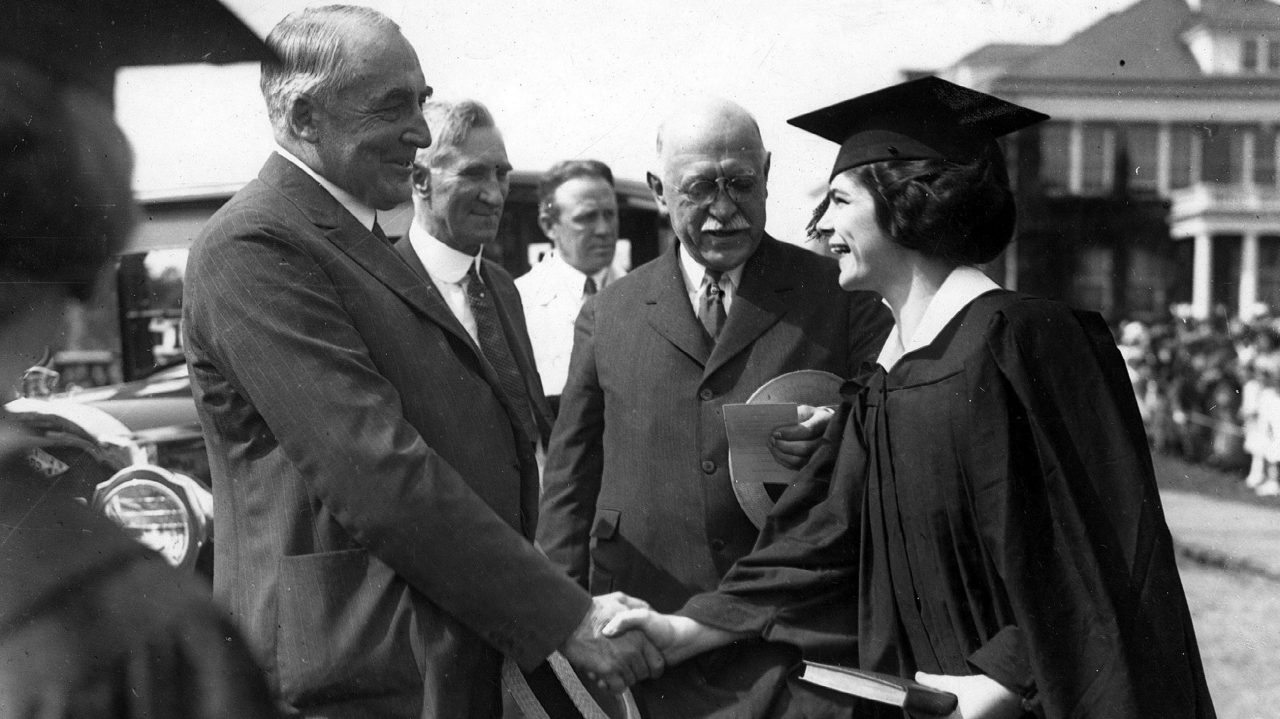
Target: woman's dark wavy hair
959, 212
65, 201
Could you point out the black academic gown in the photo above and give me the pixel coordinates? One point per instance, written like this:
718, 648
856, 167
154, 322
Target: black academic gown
989, 506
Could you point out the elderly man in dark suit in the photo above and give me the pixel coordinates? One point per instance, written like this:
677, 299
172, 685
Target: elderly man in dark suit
373, 464
637, 495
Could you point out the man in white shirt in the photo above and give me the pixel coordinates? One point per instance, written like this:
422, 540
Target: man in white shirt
578, 212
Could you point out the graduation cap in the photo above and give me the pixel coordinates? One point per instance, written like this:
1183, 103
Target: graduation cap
927, 118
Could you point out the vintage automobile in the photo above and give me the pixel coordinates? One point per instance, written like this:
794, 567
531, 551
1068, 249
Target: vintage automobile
139, 452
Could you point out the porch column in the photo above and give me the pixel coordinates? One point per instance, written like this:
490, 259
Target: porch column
1248, 274
1202, 276
1164, 158
1075, 158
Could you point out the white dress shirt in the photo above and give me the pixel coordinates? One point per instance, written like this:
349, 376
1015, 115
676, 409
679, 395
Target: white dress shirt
364, 214
962, 286
448, 270
695, 274
552, 295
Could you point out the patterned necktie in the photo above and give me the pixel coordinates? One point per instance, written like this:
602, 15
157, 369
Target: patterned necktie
494, 346
589, 288
711, 310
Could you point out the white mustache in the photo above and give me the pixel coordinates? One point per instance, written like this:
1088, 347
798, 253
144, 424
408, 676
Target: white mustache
734, 224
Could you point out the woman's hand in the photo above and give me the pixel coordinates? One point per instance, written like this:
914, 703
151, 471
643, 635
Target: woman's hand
981, 697
792, 445
677, 637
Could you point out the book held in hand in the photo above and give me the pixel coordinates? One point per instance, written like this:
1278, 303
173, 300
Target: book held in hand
912, 696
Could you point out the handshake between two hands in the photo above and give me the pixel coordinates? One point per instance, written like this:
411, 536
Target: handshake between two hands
621, 641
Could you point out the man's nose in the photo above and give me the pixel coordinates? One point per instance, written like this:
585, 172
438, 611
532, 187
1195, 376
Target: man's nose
418, 134
493, 192
605, 227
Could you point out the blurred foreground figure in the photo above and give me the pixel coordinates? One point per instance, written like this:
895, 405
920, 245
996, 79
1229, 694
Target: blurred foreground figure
92, 623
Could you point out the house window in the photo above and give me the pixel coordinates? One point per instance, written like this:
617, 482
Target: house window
1269, 271
1055, 156
1264, 156
1222, 154
1099, 157
1249, 55
1180, 156
1136, 147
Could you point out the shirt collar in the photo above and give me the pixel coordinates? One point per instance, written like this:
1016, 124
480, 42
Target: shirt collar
694, 272
443, 263
364, 214
570, 274
962, 286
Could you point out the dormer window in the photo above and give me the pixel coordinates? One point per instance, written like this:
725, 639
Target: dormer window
1260, 55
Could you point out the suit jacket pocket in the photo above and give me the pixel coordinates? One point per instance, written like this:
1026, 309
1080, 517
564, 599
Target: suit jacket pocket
344, 629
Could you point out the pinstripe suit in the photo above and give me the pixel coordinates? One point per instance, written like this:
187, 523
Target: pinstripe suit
374, 499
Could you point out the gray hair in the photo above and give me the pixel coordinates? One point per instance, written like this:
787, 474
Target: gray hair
313, 57
450, 123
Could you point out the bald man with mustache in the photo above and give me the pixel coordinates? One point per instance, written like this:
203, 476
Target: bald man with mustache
637, 495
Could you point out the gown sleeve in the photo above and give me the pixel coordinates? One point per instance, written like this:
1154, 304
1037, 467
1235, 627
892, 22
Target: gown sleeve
1068, 505
799, 584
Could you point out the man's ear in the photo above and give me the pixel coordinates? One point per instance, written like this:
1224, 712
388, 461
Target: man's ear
546, 223
421, 178
768, 156
303, 120
655, 186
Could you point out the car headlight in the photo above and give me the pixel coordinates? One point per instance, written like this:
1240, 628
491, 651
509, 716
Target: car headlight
166, 511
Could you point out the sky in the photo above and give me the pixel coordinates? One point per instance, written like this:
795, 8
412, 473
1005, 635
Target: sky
594, 79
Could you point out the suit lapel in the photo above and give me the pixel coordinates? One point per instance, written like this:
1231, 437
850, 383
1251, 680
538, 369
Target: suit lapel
507, 301
759, 303
433, 305
347, 234
667, 309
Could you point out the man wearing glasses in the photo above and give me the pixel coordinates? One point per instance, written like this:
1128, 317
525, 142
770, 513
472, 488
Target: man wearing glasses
637, 495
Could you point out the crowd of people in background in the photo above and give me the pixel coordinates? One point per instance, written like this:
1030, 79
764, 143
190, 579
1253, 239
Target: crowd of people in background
1209, 391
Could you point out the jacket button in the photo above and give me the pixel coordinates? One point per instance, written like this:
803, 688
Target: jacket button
708, 466
706, 394
717, 545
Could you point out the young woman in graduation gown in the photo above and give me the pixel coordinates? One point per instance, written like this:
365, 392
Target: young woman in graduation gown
985, 516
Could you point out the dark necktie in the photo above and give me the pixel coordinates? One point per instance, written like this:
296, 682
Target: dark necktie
711, 310
378, 233
493, 343
589, 287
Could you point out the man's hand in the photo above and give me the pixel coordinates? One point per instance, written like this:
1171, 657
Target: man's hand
677, 637
613, 663
792, 445
980, 696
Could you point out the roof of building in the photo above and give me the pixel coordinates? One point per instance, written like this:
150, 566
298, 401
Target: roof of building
1142, 42
1002, 53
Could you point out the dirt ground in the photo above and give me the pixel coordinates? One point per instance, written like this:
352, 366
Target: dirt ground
1237, 621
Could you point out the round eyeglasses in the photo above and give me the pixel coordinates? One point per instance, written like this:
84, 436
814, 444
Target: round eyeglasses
704, 191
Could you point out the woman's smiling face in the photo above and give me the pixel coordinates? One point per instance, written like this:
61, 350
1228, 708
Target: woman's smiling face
868, 257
